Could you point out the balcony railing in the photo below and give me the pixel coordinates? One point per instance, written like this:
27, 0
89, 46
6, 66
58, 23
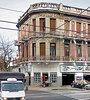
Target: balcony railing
68, 58
57, 34
45, 58
50, 58
54, 6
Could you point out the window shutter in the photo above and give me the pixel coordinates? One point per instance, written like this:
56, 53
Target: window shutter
88, 29
52, 25
42, 49
78, 28
34, 25
42, 24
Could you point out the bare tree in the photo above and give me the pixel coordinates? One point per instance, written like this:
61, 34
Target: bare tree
6, 51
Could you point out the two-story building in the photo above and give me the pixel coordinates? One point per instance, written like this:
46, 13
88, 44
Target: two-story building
54, 44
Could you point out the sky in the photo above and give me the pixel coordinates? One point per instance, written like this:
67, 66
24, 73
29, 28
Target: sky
23, 5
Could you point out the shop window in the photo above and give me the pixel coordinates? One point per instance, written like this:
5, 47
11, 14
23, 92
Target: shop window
79, 51
42, 24
67, 49
53, 77
37, 77
52, 25
52, 49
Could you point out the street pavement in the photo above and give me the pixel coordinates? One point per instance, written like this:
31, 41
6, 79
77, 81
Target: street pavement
44, 95
74, 94
63, 93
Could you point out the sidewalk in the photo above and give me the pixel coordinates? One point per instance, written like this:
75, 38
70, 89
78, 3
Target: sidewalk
50, 88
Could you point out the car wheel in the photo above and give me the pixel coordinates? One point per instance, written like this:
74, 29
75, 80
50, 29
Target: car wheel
72, 86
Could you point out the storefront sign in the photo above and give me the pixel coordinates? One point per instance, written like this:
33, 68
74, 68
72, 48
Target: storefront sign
73, 69
78, 76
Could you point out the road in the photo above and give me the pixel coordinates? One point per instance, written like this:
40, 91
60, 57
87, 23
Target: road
44, 95
58, 95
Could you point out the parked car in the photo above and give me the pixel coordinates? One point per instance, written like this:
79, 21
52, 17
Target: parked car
79, 84
87, 87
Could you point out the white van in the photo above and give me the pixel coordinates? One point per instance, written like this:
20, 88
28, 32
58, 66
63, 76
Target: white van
12, 90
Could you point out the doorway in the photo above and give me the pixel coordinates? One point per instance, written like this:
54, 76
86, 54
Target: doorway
45, 77
87, 77
67, 79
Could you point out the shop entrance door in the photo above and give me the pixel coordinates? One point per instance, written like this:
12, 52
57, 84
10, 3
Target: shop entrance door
67, 79
87, 77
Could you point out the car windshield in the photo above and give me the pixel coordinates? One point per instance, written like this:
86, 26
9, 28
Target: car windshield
12, 87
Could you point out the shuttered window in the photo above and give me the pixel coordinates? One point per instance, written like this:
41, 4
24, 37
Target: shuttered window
42, 49
42, 24
66, 27
89, 29
34, 25
78, 28
52, 24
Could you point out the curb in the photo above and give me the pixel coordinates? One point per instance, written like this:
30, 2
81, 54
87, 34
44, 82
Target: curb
45, 89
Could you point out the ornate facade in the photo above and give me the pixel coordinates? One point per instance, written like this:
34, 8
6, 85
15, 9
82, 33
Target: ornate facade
54, 44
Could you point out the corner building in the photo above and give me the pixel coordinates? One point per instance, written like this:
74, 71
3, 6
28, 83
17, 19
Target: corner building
54, 44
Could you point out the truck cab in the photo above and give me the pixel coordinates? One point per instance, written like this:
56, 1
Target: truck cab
12, 90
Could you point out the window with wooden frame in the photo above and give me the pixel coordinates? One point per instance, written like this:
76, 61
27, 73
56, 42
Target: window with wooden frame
53, 49
67, 49
66, 26
34, 49
89, 30
52, 24
78, 28
34, 25
42, 24
42, 49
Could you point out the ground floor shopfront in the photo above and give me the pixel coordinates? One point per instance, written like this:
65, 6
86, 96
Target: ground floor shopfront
56, 73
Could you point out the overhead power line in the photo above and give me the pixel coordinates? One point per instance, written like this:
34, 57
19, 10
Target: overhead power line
12, 10
8, 28
38, 26
33, 25
8, 22
43, 33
